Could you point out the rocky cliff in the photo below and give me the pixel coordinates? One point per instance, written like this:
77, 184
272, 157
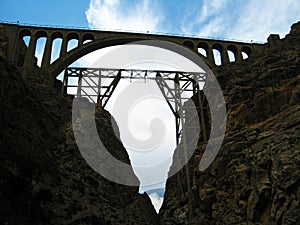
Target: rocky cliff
43, 177
255, 178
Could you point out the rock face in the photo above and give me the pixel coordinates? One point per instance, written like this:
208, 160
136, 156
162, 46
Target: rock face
43, 177
255, 178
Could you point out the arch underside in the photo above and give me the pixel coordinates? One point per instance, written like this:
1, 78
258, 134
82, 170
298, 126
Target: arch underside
91, 40
65, 60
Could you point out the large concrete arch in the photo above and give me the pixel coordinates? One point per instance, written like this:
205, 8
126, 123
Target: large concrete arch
60, 64
91, 40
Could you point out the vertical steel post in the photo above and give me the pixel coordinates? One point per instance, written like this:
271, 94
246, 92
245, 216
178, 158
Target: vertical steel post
201, 102
184, 144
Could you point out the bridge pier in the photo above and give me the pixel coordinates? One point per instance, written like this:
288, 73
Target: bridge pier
30, 60
238, 55
47, 53
210, 54
80, 41
224, 56
64, 46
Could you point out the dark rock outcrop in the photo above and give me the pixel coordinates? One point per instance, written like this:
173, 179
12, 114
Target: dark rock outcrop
255, 178
43, 177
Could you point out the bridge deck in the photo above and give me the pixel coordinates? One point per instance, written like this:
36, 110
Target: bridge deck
91, 40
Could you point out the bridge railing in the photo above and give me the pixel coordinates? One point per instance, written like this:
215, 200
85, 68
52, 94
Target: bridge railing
130, 31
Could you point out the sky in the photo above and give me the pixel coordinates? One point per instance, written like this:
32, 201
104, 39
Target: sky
221, 19
240, 19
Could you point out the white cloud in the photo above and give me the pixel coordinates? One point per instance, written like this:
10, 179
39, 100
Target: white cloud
213, 28
258, 19
247, 20
156, 200
113, 15
207, 21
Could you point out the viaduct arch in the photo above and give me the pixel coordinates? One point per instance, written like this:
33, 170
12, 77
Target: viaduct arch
23, 57
91, 40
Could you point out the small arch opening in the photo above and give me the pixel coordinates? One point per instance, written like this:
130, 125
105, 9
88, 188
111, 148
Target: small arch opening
87, 38
246, 52
39, 50
73, 43
56, 46
217, 57
203, 48
231, 56
202, 51
24, 32
57, 35
25, 35
188, 44
86, 41
232, 53
244, 55
41, 34
217, 52
26, 40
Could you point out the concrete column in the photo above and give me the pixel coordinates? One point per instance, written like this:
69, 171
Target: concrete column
224, 57
13, 50
47, 52
64, 46
196, 49
80, 42
29, 58
210, 54
238, 55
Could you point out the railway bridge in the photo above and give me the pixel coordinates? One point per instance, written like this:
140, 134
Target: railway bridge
91, 40
89, 80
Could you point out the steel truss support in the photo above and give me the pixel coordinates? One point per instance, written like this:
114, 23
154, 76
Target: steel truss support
103, 98
178, 88
181, 107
